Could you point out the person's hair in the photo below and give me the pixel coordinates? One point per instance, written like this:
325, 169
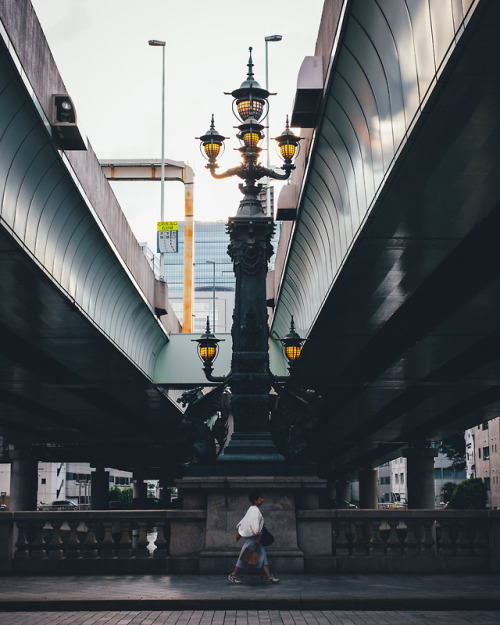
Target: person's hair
254, 495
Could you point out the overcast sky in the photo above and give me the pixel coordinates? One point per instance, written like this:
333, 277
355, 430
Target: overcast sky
114, 78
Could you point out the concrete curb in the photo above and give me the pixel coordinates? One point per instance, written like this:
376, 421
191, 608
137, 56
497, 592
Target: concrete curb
255, 603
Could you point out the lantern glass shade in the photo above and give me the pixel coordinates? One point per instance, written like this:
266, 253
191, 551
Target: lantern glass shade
212, 150
207, 352
287, 150
249, 107
292, 352
251, 139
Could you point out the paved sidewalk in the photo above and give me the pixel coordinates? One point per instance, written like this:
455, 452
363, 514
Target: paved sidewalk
210, 592
243, 617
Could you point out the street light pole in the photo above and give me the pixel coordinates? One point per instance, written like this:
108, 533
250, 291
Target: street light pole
161, 44
268, 182
250, 232
212, 262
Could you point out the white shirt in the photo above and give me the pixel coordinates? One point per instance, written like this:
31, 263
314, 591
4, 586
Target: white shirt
252, 523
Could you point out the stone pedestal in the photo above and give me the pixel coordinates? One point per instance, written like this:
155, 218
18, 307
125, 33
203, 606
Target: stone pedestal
225, 500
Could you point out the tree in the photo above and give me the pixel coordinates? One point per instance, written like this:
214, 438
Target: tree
454, 449
469, 495
117, 494
448, 490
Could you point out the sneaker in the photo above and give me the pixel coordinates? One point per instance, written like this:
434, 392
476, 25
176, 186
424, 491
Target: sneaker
272, 580
233, 580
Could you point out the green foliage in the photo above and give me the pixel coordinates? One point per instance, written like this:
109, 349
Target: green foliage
454, 450
127, 495
117, 494
469, 495
114, 494
448, 490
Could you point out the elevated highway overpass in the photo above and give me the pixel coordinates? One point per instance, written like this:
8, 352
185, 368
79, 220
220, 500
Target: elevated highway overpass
390, 269
82, 317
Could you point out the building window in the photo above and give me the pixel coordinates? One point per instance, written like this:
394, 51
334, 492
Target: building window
438, 473
44, 480
479, 452
487, 483
402, 478
485, 425
486, 453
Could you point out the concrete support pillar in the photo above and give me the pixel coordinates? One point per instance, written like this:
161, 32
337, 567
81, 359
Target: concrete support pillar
420, 477
99, 492
139, 488
342, 490
165, 495
23, 480
368, 489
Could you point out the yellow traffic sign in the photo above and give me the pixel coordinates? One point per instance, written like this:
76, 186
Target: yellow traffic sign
167, 225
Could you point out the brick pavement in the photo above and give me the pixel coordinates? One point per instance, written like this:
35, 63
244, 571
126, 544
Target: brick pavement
251, 617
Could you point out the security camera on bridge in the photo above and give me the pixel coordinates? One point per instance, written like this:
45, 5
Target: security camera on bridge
66, 133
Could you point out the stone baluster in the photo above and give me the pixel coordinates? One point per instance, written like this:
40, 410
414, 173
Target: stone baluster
108, 544
411, 545
125, 544
377, 547
55, 547
38, 544
22, 551
342, 546
161, 542
142, 550
446, 545
463, 543
90, 547
480, 542
73, 544
428, 541
360, 547
393, 542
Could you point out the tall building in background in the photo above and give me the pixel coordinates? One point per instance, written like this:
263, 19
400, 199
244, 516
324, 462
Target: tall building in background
214, 282
484, 458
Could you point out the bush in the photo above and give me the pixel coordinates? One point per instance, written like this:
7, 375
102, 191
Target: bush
469, 495
448, 489
123, 495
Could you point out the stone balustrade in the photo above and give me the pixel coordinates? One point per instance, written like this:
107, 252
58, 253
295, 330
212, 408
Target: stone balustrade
90, 541
388, 541
174, 541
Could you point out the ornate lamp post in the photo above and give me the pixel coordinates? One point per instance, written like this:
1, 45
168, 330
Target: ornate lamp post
250, 249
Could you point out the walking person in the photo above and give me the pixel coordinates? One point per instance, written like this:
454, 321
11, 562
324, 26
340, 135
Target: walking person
250, 528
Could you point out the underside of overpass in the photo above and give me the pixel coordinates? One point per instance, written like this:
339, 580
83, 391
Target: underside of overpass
393, 270
82, 317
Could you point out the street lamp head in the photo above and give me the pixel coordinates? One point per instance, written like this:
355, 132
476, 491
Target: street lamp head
288, 144
250, 133
273, 38
208, 345
212, 143
292, 344
156, 42
250, 100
